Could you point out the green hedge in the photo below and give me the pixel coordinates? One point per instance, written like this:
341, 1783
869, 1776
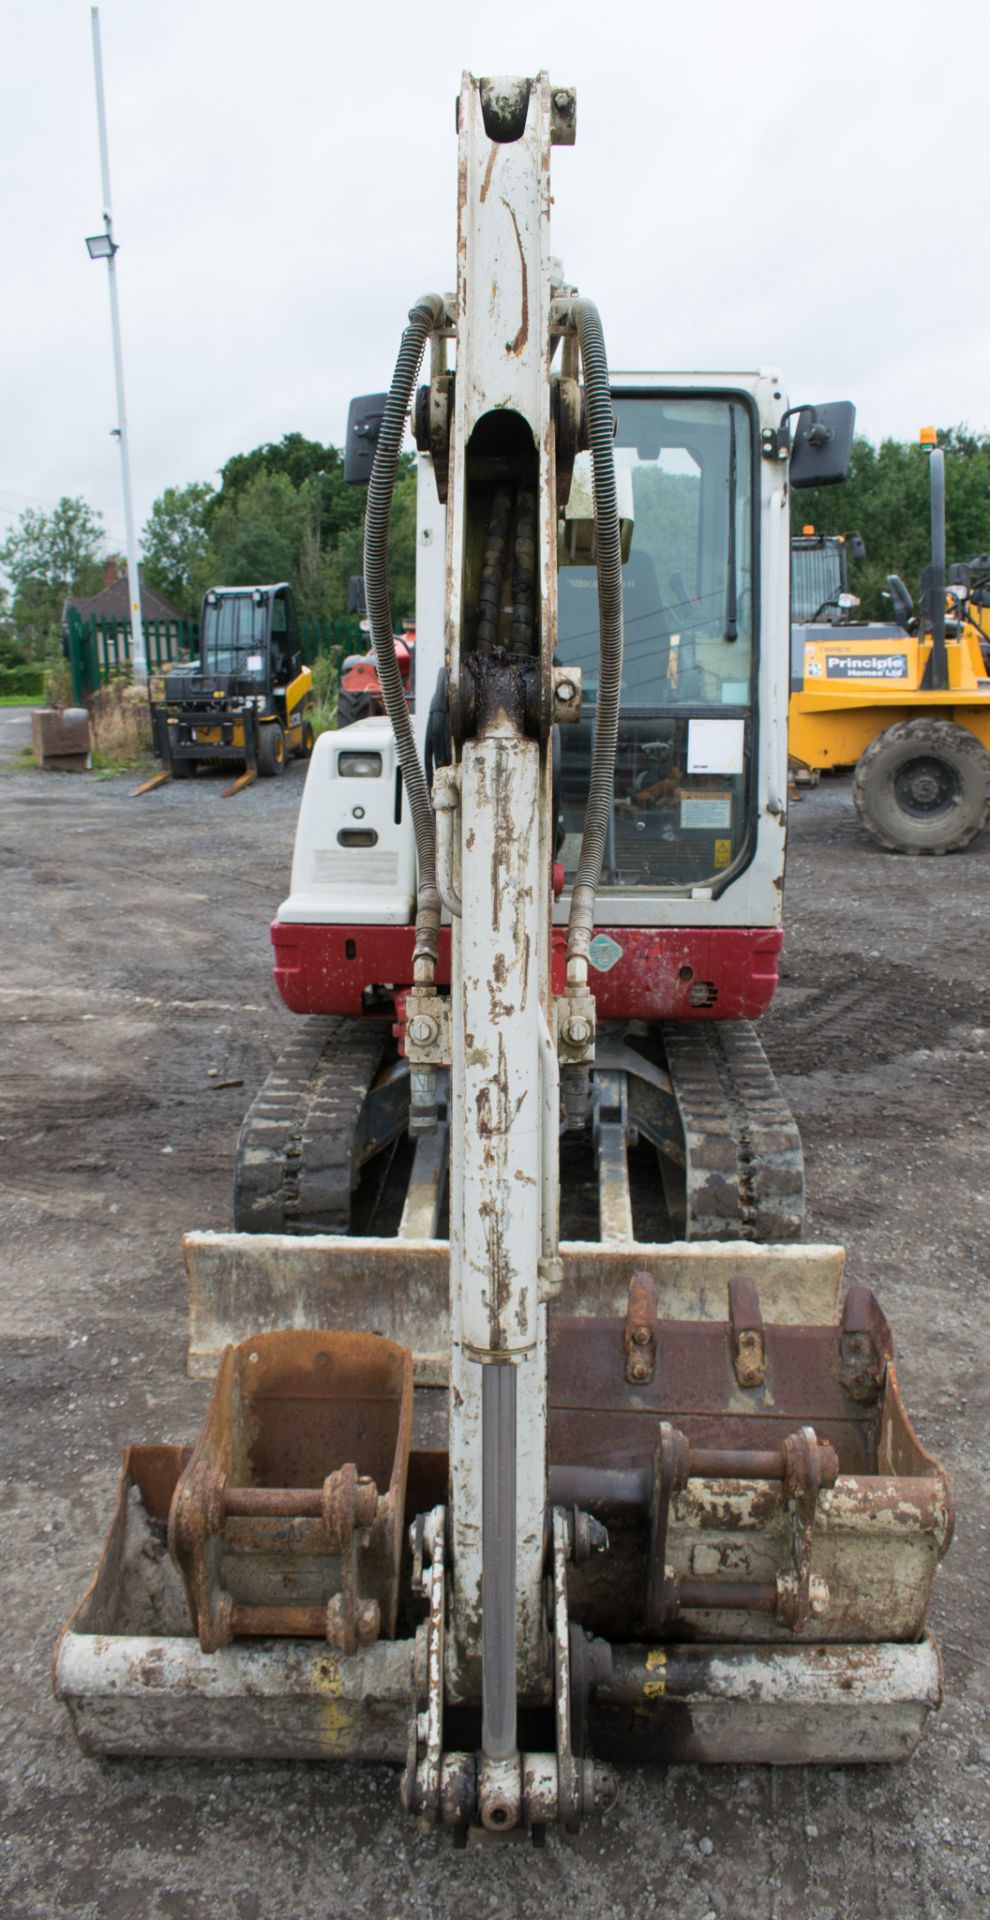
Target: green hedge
27, 681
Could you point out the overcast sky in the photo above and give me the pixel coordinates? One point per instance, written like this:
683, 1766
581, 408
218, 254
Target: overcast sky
754, 183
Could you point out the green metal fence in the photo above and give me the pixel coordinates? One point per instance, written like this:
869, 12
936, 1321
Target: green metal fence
326, 636
165, 642
100, 650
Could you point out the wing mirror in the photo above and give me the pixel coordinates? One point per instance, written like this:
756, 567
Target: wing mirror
364, 420
822, 444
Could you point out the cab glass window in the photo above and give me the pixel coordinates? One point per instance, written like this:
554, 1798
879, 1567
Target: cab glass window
681, 810
234, 635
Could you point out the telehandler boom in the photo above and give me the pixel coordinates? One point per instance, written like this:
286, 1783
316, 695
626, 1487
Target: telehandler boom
510, 1510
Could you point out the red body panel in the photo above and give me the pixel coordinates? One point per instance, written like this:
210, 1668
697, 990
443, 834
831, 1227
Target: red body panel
360, 672
670, 973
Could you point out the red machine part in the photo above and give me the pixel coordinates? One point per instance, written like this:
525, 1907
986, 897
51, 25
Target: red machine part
360, 670
645, 973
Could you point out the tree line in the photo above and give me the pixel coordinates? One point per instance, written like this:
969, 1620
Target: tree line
281, 512
284, 512
886, 498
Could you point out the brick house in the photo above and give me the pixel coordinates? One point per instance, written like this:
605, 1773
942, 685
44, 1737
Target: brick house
114, 602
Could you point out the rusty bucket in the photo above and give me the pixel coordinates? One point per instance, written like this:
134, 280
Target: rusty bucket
288, 1518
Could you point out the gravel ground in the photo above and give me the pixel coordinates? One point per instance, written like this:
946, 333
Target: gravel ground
136, 959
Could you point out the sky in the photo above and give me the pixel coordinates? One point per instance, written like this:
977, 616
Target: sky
754, 184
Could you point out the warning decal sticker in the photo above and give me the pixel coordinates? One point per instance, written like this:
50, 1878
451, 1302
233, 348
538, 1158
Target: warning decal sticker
603, 952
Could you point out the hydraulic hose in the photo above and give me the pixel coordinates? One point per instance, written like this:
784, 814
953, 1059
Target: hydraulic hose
427, 314
598, 402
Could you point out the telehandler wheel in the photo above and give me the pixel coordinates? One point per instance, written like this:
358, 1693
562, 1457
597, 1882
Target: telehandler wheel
271, 749
353, 706
305, 748
923, 786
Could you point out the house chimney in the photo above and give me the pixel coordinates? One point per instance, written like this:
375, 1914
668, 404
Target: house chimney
110, 574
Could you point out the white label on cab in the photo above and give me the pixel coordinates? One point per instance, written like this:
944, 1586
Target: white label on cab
708, 810
715, 746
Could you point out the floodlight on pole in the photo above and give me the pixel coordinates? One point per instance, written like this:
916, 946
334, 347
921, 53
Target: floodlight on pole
102, 246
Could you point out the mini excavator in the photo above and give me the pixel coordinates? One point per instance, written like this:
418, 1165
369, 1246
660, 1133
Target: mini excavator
505, 1509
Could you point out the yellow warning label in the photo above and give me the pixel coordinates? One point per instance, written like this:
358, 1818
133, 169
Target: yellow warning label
335, 1717
723, 853
656, 1666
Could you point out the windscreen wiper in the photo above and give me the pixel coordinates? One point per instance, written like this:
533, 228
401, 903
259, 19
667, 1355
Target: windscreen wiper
731, 609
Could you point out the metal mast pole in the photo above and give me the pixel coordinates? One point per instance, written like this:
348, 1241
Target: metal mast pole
139, 661
940, 665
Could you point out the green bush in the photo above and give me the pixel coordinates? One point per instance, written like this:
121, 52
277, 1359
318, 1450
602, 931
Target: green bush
27, 683
12, 654
325, 670
326, 677
58, 683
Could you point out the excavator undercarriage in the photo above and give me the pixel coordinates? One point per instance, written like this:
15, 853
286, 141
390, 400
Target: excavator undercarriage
728, 1154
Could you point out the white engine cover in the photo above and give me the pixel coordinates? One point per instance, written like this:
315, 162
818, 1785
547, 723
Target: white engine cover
338, 884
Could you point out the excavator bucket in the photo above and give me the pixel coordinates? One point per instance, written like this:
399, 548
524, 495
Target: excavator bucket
239, 1283
131, 1671
774, 1526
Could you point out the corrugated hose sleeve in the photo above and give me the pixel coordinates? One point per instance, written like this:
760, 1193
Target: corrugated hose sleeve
598, 402
427, 314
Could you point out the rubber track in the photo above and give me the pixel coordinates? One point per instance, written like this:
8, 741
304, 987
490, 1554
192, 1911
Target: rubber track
744, 1166
294, 1168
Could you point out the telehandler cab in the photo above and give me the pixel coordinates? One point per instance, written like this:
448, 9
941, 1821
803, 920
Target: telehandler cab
820, 576
501, 1508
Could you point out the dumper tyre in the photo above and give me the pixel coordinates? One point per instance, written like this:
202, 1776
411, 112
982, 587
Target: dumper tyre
271, 749
923, 786
353, 705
